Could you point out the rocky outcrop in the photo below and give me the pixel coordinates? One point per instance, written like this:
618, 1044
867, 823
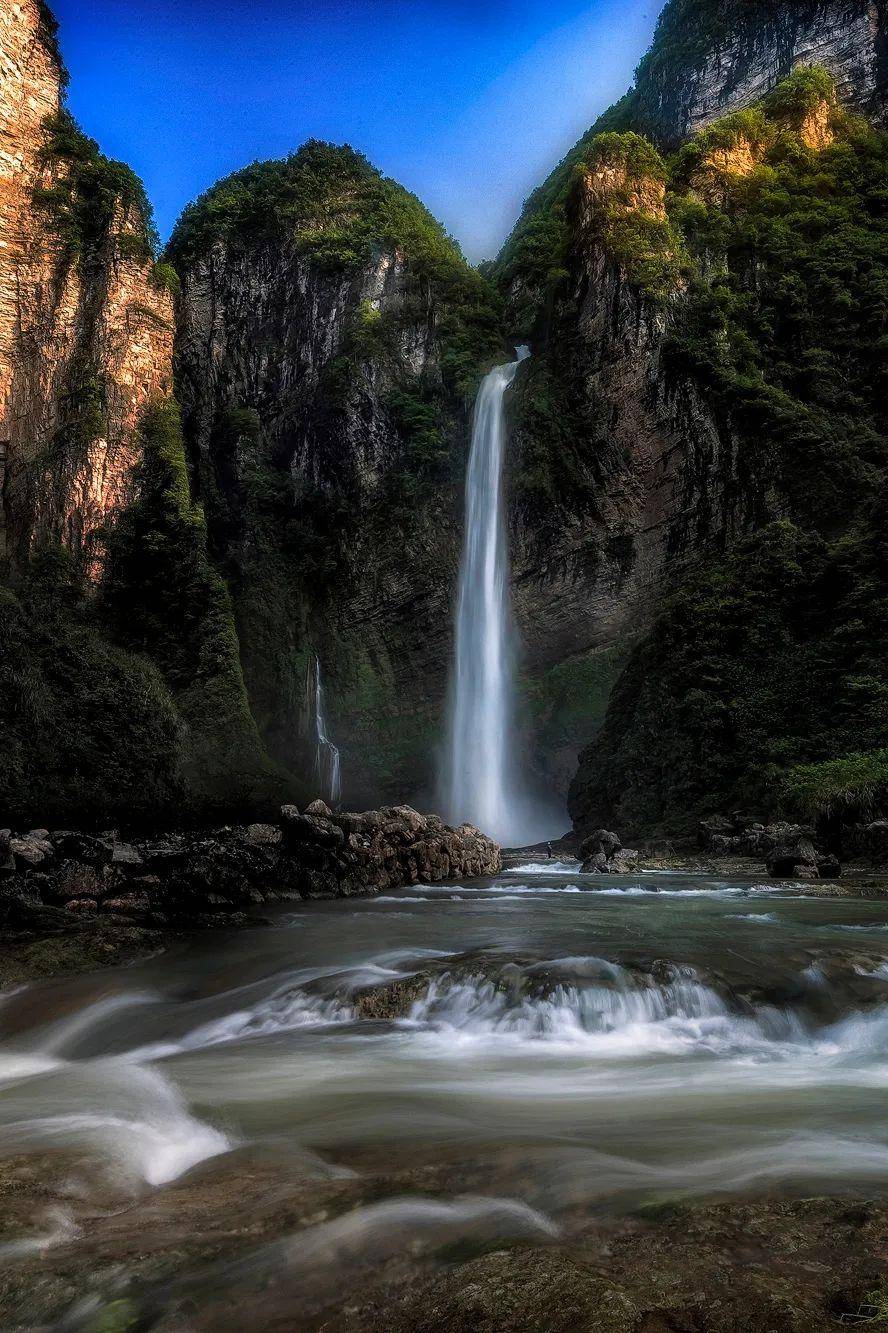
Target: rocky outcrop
711, 58
789, 851
185, 881
85, 327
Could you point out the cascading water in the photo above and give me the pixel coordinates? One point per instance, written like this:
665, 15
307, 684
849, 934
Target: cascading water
480, 783
328, 773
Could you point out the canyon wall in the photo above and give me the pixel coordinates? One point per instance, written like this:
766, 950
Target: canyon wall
708, 325
328, 354
714, 57
85, 331
120, 685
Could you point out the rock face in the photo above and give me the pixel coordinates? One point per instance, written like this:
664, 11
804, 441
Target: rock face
683, 494
713, 57
85, 331
307, 381
185, 881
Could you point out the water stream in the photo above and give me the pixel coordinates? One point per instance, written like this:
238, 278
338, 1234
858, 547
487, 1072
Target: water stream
481, 782
555, 1050
328, 771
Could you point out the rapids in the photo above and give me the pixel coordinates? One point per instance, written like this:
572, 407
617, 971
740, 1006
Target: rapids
583, 1046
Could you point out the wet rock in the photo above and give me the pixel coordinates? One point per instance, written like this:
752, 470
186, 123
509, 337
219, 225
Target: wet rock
623, 862
600, 841
714, 827
263, 835
81, 847
320, 808
131, 905
72, 880
299, 829
7, 860
793, 855
162, 856
595, 865
31, 853
123, 854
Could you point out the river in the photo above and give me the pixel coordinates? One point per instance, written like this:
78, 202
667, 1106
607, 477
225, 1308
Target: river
465, 1064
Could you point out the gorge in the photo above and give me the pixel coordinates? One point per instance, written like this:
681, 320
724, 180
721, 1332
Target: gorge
289, 538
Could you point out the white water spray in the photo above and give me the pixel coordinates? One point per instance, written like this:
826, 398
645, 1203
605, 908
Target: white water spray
327, 763
481, 785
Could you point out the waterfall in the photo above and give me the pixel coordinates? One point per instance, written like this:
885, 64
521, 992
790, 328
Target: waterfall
481, 785
327, 764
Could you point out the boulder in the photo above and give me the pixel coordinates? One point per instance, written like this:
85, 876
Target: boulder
623, 862
81, 847
595, 864
130, 905
124, 854
163, 856
600, 841
714, 826
31, 853
828, 866
793, 855
320, 808
263, 835
300, 829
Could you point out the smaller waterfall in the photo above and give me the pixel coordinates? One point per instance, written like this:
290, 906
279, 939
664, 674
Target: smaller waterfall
327, 762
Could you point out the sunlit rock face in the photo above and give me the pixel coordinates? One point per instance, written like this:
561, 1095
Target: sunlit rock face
68, 331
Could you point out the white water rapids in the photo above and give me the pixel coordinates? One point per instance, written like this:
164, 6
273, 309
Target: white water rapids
571, 1046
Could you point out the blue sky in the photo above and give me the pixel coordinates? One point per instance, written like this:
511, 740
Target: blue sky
467, 104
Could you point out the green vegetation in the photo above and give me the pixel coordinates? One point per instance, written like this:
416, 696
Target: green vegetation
854, 787
785, 327
568, 703
85, 726
628, 219
163, 599
532, 264
762, 685
341, 213
89, 194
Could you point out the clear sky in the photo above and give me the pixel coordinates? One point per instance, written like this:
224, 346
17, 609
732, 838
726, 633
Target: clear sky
468, 103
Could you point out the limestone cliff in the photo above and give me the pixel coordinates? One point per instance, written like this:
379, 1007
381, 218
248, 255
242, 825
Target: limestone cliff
330, 343
102, 713
711, 57
85, 328
708, 327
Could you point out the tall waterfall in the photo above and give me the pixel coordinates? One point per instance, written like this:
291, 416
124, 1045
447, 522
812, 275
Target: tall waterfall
327, 765
481, 782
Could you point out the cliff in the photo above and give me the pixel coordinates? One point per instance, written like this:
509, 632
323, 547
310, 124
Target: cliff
716, 56
86, 326
710, 325
330, 343
92, 707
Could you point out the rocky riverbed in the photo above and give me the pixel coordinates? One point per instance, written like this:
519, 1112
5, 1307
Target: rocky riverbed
71, 899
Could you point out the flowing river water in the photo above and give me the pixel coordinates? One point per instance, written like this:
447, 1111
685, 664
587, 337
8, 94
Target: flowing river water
463, 1064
